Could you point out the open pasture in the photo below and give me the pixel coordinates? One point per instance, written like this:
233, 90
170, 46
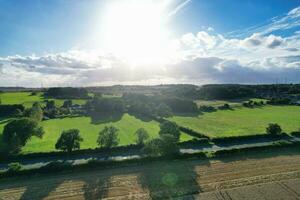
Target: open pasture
127, 126
27, 99
242, 121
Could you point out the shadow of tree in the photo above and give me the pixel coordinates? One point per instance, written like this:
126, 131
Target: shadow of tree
168, 180
100, 118
141, 117
33, 192
96, 188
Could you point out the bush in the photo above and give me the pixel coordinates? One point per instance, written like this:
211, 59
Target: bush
295, 133
14, 168
55, 166
274, 129
207, 108
224, 107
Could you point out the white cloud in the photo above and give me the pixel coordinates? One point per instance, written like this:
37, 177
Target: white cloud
203, 57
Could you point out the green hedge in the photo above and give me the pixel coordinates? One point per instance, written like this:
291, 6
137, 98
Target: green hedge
4, 157
236, 139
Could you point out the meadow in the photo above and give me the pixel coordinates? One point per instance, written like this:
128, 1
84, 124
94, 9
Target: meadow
27, 99
242, 121
127, 126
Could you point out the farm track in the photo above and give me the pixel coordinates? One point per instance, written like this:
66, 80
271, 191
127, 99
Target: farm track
269, 177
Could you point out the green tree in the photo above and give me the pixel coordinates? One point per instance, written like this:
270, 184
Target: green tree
163, 110
171, 128
36, 112
274, 129
141, 136
152, 147
69, 140
108, 137
17, 132
165, 145
169, 145
67, 103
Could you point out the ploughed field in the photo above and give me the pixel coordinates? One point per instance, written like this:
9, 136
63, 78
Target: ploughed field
242, 121
270, 176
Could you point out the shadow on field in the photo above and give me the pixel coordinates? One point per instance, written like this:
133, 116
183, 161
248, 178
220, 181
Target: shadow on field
141, 117
190, 114
33, 192
267, 153
172, 179
96, 188
93, 188
100, 118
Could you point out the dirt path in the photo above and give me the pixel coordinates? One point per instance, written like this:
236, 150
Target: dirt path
275, 176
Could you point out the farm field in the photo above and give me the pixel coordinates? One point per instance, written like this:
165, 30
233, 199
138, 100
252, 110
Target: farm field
27, 99
269, 176
242, 121
127, 126
232, 103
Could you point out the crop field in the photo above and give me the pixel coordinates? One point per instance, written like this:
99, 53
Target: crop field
127, 126
242, 121
27, 99
270, 176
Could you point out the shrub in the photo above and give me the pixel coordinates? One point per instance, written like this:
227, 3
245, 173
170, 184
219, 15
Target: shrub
14, 168
55, 166
274, 129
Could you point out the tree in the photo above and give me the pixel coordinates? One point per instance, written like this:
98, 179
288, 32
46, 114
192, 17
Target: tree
142, 135
67, 103
69, 140
50, 105
171, 128
169, 145
17, 132
36, 112
108, 137
165, 145
274, 129
163, 110
152, 147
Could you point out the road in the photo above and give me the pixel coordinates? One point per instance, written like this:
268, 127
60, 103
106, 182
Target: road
81, 159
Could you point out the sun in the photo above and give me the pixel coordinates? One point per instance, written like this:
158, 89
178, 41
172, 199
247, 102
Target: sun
137, 31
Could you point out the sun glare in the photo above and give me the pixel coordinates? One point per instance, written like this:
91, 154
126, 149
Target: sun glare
137, 31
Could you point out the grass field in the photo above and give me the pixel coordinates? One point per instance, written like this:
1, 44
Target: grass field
242, 121
53, 128
267, 176
232, 103
27, 99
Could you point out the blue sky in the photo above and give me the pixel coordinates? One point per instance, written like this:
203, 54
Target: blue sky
50, 38
38, 26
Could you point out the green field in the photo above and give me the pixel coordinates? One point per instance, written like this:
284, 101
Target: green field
27, 99
232, 103
127, 125
242, 121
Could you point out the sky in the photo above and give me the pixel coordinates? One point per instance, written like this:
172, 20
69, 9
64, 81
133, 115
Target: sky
104, 42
